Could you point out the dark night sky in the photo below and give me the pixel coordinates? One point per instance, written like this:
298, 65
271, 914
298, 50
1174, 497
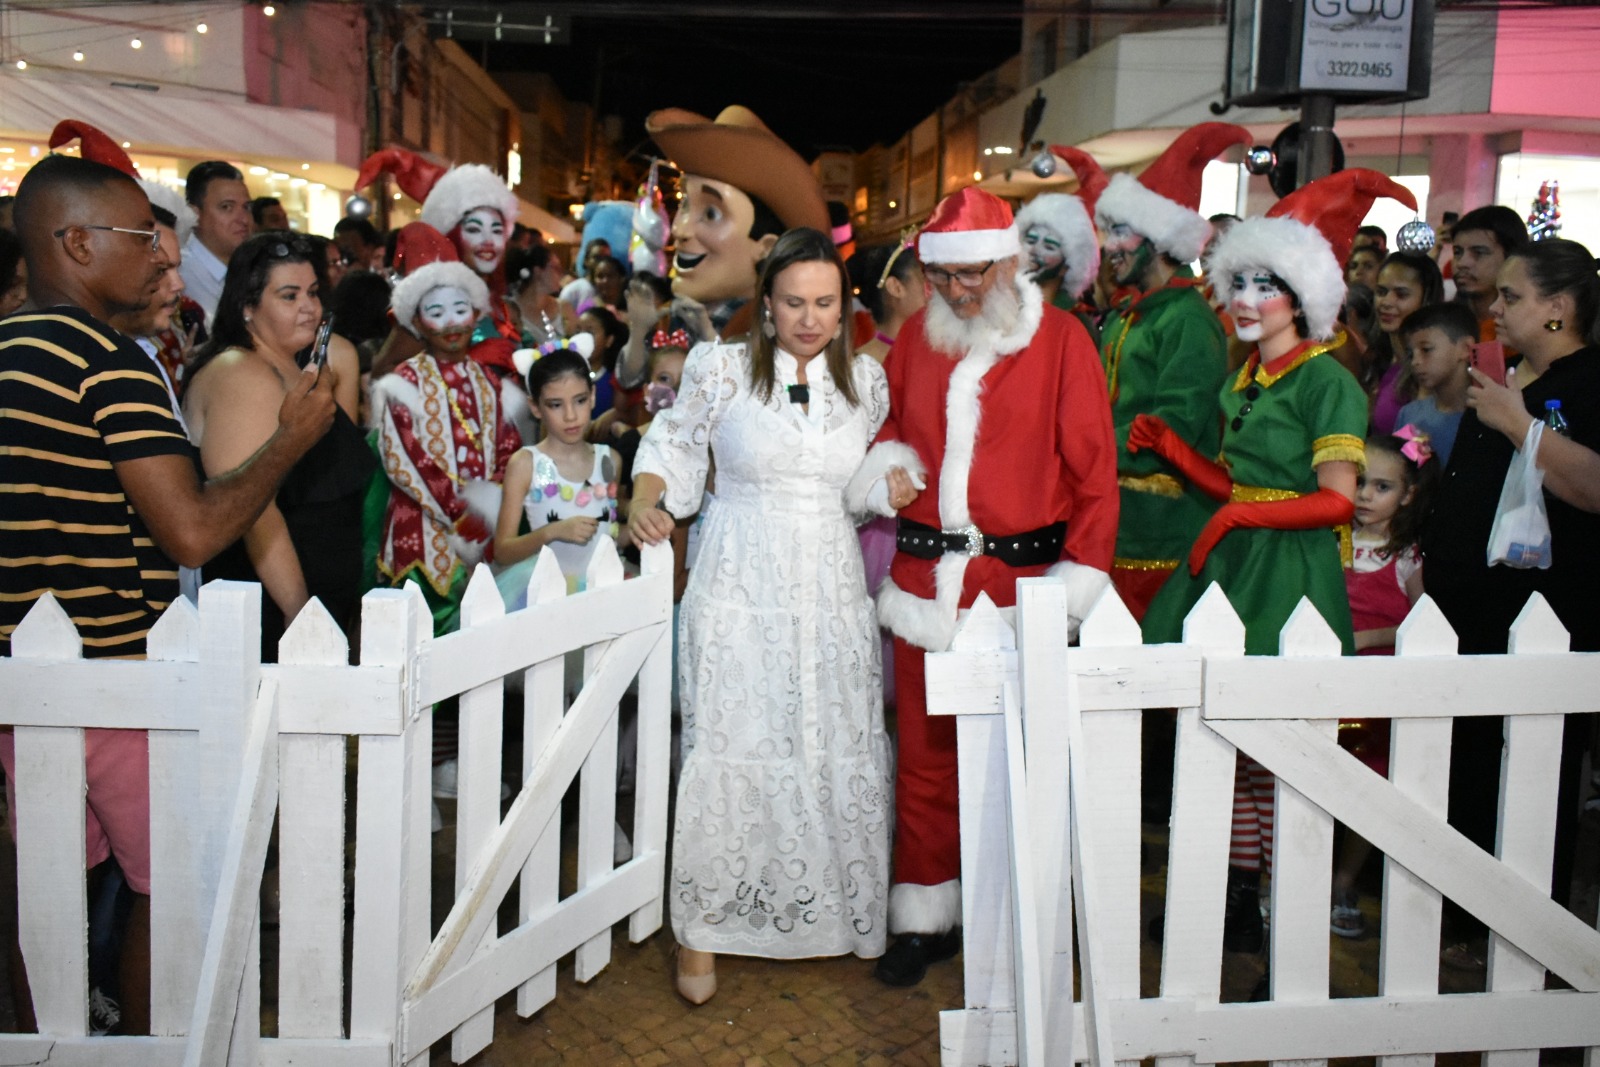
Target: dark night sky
821, 74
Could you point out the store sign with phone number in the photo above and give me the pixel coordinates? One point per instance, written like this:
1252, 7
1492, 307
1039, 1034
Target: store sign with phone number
1356, 45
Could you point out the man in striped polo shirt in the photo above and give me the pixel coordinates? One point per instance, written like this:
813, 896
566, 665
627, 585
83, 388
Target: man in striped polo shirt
99, 489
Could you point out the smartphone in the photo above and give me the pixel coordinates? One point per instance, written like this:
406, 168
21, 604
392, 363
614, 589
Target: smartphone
319, 347
1489, 359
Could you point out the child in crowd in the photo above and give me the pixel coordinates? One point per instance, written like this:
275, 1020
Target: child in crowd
566, 487
1383, 580
1440, 338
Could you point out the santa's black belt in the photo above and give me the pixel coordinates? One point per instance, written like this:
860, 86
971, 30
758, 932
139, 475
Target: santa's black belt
1027, 549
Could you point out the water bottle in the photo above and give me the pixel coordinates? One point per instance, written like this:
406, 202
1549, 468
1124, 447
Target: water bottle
1554, 421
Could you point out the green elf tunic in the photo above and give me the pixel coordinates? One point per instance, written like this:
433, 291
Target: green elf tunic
1279, 423
1164, 355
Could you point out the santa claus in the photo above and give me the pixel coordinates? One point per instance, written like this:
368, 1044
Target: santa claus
999, 461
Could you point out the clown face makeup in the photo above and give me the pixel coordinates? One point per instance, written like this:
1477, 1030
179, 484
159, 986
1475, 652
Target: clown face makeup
1128, 254
444, 320
1045, 255
483, 240
716, 257
1261, 308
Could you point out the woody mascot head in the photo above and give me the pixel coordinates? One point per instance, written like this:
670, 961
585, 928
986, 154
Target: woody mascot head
742, 187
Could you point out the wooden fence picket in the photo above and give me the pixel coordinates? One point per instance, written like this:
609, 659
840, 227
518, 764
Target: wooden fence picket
1530, 774
478, 785
177, 925
653, 760
311, 850
544, 700
1419, 766
52, 900
393, 798
597, 783
1302, 863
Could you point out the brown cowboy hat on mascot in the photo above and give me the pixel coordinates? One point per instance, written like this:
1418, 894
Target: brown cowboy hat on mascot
736, 147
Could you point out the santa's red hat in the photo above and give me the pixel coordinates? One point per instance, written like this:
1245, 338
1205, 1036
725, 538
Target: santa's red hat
1092, 180
1163, 203
1070, 216
418, 245
93, 145
969, 226
1304, 239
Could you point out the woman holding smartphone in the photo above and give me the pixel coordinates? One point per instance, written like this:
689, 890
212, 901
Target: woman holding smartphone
307, 543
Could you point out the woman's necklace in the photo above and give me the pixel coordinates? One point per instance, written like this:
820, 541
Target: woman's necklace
885, 338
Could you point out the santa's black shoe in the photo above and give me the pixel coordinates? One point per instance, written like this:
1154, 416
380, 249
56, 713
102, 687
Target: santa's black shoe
907, 959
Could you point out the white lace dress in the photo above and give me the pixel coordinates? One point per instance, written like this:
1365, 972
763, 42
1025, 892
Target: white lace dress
781, 837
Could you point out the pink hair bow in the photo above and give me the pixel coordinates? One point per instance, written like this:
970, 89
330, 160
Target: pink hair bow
1416, 447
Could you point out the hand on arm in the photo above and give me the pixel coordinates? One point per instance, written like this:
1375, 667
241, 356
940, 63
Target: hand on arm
648, 524
1209, 476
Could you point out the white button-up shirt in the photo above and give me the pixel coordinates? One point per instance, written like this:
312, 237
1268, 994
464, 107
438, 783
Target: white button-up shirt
202, 276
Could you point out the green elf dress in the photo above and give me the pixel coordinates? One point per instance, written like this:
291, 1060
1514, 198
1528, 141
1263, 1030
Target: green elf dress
1164, 355
1279, 422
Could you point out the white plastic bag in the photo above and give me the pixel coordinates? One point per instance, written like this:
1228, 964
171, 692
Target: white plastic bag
1520, 536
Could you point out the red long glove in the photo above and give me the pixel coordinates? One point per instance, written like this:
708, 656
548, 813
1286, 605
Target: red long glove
1209, 476
1325, 507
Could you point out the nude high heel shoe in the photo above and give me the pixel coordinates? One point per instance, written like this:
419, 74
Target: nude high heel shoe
697, 975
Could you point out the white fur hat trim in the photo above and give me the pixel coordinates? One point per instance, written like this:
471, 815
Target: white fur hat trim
1171, 227
463, 188
165, 196
968, 246
1295, 252
1066, 215
410, 290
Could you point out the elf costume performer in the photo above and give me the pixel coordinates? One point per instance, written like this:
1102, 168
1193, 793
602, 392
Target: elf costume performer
1294, 423
473, 207
1163, 350
1058, 236
999, 461
443, 441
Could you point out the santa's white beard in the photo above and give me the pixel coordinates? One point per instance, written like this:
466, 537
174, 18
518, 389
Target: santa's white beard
955, 336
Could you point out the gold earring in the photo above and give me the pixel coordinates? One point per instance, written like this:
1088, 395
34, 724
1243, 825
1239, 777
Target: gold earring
1553, 325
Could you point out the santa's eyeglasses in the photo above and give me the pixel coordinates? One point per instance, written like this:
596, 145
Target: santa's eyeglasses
969, 278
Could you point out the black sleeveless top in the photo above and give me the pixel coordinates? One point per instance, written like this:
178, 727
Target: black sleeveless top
321, 503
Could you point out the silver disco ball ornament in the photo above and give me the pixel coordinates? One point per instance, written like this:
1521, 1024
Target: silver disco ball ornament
1259, 159
1044, 164
1415, 236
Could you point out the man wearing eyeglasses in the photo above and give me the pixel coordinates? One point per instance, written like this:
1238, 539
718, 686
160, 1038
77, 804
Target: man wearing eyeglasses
101, 500
998, 461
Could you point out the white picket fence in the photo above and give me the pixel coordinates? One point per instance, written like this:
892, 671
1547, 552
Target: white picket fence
235, 744
1050, 790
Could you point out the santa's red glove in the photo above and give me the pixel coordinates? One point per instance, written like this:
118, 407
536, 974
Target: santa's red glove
1324, 508
1209, 476
495, 352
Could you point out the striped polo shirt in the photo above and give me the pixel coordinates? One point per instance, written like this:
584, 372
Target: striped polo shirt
76, 397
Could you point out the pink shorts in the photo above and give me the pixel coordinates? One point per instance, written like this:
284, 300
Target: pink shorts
117, 816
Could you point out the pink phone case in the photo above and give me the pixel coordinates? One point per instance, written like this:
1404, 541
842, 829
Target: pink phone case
1489, 359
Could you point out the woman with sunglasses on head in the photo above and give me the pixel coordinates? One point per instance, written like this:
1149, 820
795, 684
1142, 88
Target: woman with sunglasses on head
1293, 443
307, 543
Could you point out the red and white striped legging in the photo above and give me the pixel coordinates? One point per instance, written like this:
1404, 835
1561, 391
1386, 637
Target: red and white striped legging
1253, 794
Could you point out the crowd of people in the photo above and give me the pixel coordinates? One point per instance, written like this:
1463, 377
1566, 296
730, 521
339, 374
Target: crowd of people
845, 447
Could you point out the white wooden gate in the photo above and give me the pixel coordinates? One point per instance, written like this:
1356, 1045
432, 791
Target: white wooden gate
1050, 790
234, 744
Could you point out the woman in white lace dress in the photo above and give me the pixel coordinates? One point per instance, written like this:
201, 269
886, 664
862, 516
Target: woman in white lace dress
781, 838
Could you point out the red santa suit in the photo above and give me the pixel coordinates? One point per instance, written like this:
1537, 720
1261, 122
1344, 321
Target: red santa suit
1013, 436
